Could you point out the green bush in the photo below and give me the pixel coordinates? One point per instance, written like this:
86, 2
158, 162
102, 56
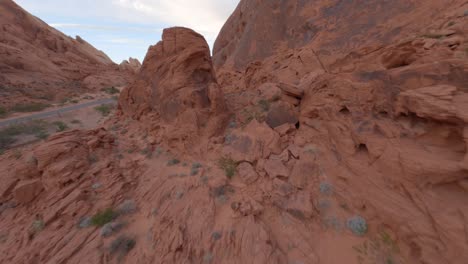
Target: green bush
30, 107
61, 126
104, 109
102, 218
3, 112
228, 165
173, 162
358, 225
264, 105
110, 90
8, 135
122, 245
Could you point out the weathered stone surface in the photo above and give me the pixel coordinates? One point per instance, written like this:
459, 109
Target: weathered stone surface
26, 191
247, 173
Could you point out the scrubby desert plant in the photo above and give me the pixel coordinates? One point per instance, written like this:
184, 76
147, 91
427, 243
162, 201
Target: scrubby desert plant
29, 107
228, 165
60, 126
3, 112
103, 217
104, 109
121, 246
110, 90
358, 225
173, 162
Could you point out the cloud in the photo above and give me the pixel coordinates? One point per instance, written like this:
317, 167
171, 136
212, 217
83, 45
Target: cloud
105, 28
132, 24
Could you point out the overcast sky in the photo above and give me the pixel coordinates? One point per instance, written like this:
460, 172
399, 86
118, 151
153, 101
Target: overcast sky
125, 28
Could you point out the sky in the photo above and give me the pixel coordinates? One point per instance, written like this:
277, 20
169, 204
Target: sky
126, 28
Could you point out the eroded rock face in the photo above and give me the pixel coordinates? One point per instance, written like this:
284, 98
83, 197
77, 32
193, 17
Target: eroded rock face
370, 165
37, 62
131, 64
177, 89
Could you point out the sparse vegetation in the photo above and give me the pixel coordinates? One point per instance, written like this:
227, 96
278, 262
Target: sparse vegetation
104, 109
30, 107
42, 135
433, 36
8, 135
60, 126
195, 168
147, 152
173, 162
127, 207
357, 225
104, 217
264, 105
75, 122
110, 90
378, 249
326, 188
84, 222
37, 226
92, 158
228, 165
451, 23
216, 235
121, 246
3, 112
110, 228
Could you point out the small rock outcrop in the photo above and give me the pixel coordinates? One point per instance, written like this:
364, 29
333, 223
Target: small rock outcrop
132, 65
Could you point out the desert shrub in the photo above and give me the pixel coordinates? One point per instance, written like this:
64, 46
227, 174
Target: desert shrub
3, 112
75, 121
110, 228
326, 188
110, 90
433, 36
264, 105
121, 246
127, 207
60, 126
84, 222
104, 109
173, 162
92, 158
30, 107
195, 168
147, 152
104, 217
8, 135
357, 225
42, 134
37, 226
216, 235
228, 165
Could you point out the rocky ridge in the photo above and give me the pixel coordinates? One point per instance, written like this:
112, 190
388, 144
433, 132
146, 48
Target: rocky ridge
289, 158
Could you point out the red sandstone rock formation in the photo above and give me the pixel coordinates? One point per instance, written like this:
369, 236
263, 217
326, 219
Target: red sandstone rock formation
131, 64
176, 92
359, 156
39, 63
